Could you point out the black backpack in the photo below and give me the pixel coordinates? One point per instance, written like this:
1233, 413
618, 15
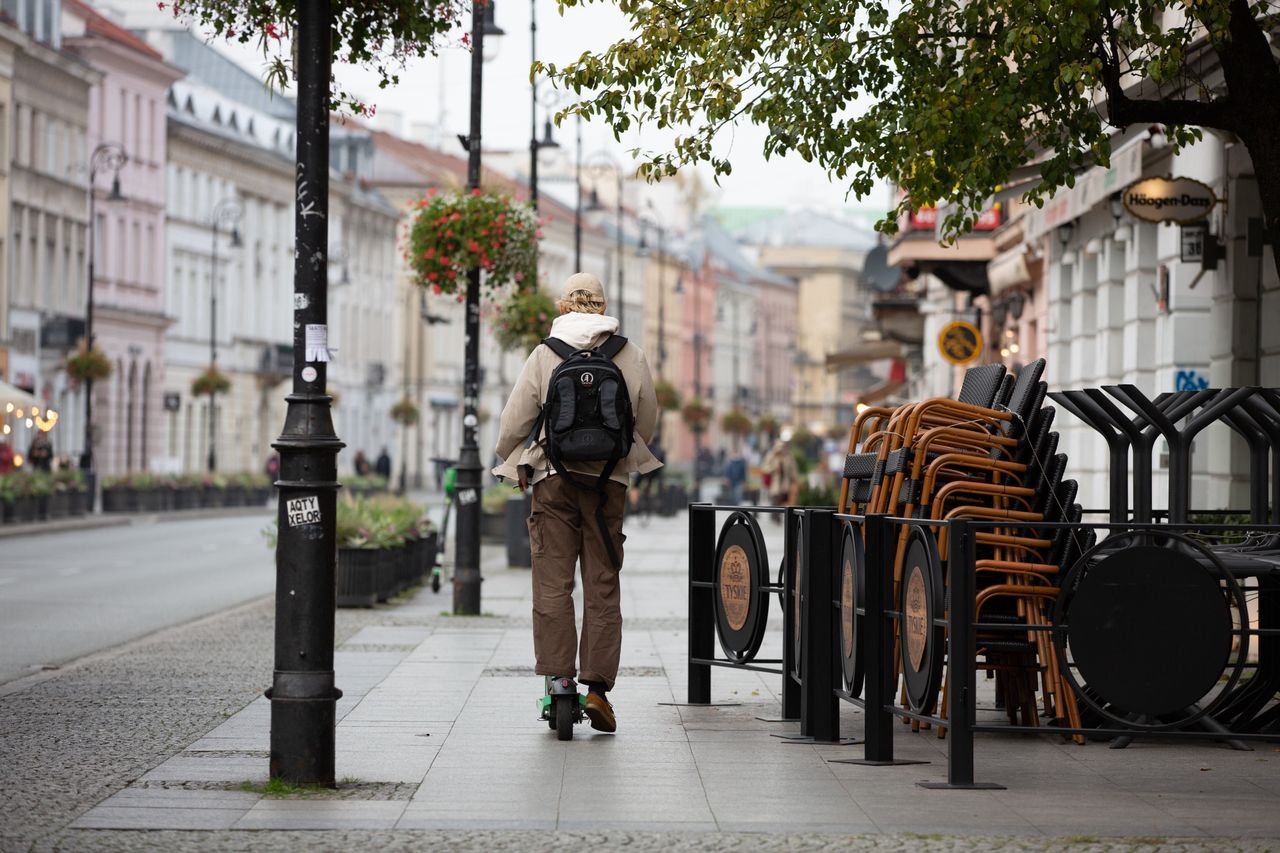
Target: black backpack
587, 418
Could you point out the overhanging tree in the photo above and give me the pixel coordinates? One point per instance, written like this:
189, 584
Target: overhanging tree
946, 98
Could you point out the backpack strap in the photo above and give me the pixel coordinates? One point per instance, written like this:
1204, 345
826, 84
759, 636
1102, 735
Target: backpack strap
559, 347
612, 346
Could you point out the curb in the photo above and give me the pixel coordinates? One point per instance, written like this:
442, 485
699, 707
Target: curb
101, 520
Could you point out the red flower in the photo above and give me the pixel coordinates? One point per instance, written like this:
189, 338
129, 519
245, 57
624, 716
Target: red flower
456, 216
473, 245
435, 288
433, 276
476, 191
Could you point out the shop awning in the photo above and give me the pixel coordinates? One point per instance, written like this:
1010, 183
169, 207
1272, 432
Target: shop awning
16, 396
880, 392
862, 353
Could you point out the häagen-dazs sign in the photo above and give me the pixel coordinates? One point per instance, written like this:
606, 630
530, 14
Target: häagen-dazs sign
1169, 200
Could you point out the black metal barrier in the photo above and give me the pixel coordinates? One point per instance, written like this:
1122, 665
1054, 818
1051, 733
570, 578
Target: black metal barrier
1149, 628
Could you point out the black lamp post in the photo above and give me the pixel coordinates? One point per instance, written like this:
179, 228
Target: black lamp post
226, 213
303, 695
112, 156
466, 573
535, 144
577, 204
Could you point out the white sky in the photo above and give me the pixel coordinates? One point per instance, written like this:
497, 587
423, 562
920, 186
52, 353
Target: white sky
436, 91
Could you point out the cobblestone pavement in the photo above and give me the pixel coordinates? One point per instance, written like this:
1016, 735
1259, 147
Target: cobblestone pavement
438, 749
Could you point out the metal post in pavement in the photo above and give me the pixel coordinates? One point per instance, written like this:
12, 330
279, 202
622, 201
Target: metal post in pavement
466, 573
303, 695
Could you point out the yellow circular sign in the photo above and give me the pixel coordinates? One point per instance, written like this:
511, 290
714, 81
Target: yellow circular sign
960, 342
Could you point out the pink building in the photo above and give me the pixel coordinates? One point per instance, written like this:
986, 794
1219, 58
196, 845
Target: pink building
127, 109
697, 320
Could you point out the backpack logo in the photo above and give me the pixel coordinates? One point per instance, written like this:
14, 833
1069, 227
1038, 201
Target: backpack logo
587, 379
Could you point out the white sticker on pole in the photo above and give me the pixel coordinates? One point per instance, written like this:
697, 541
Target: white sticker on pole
300, 511
467, 496
309, 374
300, 301
317, 342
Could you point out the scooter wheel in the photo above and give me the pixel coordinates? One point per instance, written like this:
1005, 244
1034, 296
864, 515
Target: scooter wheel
564, 717
435, 583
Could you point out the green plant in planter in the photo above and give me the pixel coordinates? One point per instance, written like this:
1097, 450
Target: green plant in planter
210, 381
666, 395
70, 479
87, 364
453, 232
768, 425
524, 319
405, 412
494, 499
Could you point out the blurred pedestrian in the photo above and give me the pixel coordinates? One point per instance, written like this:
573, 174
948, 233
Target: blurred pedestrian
40, 454
781, 473
735, 476
6, 457
272, 468
362, 464
383, 465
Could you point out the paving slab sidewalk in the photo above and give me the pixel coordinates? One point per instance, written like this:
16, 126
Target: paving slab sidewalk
437, 739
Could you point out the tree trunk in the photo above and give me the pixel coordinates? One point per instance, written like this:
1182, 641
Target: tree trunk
1253, 83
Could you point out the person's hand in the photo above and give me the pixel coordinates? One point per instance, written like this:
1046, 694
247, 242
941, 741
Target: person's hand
523, 478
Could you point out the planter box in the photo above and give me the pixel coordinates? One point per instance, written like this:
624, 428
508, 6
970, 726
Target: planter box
384, 573
60, 505
185, 497
493, 527
356, 581
6, 512
80, 502
518, 551
233, 496
211, 498
42, 507
24, 509
148, 500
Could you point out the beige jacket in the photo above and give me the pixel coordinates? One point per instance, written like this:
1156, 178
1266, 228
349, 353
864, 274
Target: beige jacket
584, 331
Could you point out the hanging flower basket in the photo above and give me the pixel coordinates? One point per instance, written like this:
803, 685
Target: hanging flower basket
524, 319
454, 232
667, 396
211, 381
87, 365
696, 414
405, 412
768, 425
735, 422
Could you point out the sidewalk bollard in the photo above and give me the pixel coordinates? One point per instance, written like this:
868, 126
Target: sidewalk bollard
960, 662
819, 705
702, 558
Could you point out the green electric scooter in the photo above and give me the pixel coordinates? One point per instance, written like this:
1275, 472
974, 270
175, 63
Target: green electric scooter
562, 706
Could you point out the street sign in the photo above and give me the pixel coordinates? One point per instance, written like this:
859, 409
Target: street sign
960, 342
1193, 240
1180, 200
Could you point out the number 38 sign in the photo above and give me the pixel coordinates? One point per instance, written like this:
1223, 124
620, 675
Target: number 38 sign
960, 342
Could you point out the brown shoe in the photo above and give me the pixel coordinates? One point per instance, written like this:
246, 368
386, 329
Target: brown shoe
600, 712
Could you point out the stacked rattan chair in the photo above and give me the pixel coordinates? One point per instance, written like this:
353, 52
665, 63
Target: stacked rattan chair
989, 455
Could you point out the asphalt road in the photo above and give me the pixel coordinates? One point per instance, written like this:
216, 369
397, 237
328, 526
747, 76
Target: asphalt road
65, 595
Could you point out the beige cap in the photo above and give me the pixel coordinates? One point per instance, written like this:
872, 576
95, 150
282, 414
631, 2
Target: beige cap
583, 281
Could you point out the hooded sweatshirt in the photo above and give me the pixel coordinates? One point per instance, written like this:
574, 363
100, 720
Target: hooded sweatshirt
581, 331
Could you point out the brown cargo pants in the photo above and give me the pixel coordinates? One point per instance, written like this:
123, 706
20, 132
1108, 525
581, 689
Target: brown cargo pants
562, 530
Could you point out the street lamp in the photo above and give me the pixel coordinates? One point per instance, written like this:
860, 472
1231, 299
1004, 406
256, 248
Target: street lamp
577, 205
602, 161
535, 144
226, 214
466, 574
107, 156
